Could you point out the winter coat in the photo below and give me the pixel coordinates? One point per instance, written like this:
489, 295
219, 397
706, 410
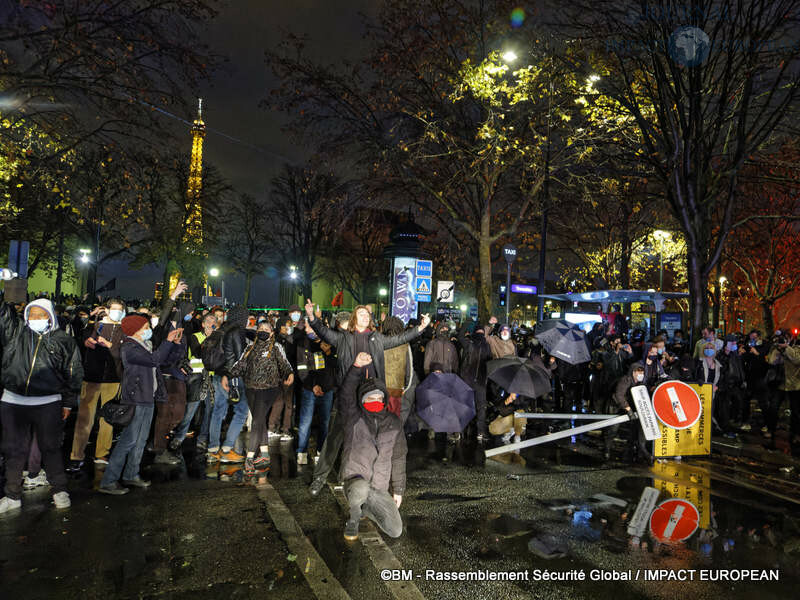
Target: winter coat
702, 374
262, 368
345, 346
234, 343
370, 449
139, 386
791, 364
732, 369
442, 351
101, 364
500, 348
621, 394
39, 364
476, 354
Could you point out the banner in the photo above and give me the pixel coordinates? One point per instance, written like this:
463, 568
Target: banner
404, 304
694, 441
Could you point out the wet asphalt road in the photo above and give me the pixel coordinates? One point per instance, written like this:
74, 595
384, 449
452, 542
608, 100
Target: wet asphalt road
203, 532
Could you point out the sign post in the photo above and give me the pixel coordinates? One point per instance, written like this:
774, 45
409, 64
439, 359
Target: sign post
510, 254
445, 291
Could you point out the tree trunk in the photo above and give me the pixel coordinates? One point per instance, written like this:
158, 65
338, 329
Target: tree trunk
485, 284
769, 319
625, 270
248, 279
698, 285
60, 267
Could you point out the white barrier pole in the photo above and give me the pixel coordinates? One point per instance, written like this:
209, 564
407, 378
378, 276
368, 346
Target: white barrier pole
558, 435
566, 416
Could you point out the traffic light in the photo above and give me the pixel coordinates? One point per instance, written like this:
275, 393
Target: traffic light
502, 295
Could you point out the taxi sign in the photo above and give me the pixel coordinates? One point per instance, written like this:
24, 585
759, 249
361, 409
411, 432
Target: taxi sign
674, 520
677, 405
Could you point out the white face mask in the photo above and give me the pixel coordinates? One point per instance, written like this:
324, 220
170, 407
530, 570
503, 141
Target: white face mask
639, 377
289, 330
116, 315
39, 325
153, 321
505, 336
295, 316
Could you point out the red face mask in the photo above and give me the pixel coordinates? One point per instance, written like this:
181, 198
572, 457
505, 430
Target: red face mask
374, 407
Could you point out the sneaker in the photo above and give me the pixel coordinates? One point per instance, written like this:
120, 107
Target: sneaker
115, 489
166, 457
7, 504
61, 500
302, 458
175, 444
74, 466
231, 457
286, 436
746, 427
138, 482
213, 457
103, 460
506, 439
249, 466
39, 480
482, 438
273, 434
316, 459
261, 462
351, 531
764, 429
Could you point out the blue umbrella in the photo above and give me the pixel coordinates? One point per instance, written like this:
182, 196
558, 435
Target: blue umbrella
445, 402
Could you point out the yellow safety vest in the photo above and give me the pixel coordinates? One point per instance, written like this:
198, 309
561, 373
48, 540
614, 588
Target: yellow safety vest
197, 362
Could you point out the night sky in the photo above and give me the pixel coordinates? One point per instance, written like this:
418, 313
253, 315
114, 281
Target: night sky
242, 32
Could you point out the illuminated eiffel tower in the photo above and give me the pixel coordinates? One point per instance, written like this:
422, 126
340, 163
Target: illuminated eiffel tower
193, 226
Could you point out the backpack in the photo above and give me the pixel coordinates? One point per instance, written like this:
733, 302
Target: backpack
211, 352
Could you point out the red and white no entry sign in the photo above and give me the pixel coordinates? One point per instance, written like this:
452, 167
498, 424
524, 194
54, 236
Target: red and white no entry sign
674, 520
677, 405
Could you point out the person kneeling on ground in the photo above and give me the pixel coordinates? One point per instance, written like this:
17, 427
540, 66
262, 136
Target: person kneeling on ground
370, 459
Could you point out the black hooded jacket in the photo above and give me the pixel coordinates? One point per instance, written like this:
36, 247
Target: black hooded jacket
234, 337
370, 451
476, 354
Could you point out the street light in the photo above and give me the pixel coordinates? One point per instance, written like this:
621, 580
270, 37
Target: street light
85, 252
463, 308
509, 56
383, 292
293, 272
661, 236
214, 272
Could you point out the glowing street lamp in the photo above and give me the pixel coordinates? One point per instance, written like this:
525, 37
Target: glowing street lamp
509, 56
214, 272
383, 292
85, 252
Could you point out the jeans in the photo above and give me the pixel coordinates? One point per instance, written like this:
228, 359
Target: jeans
307, 406
191, 410
47, 425
130, 447
240, 411
377, 505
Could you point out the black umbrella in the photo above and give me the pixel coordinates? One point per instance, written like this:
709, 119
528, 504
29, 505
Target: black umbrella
564, 340
445, 402
523, 378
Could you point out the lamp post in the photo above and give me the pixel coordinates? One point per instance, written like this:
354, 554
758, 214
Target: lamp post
85, 259
661, 236
722, 281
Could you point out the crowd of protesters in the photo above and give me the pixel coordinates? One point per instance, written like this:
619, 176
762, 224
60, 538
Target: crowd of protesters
230, 382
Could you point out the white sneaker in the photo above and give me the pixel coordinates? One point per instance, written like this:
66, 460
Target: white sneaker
273, 434
746, 427
101, 461
302, 458
61, 500
7, 504
287, 437
40, 480
316, 459
507, 437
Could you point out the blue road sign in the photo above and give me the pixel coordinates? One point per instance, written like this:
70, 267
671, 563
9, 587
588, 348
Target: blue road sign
424, 268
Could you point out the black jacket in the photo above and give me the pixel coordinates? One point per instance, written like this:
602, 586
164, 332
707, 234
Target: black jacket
345, 346
476, 353
307, 370
137, 376
234, 343
101, 364
370, 449
39, 365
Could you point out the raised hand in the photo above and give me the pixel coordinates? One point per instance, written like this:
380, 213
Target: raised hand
309, 309
362, 360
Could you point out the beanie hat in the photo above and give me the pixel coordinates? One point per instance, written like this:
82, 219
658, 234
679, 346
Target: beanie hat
237, 316
133, 323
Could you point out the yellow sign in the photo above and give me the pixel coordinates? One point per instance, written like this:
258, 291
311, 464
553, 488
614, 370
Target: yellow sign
694, 441
686, 482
